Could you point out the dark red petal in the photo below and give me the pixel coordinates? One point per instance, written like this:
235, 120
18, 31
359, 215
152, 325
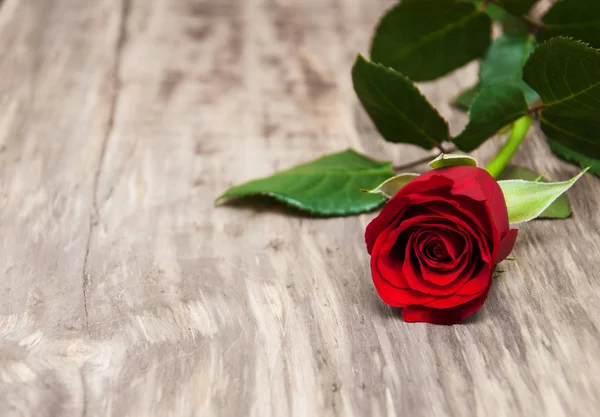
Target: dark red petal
410, 275
451, 279
450, 316
392, 210
479, 282
397, 297
448, 210
394, 267
425, 183
451, 240
390, 268
395, 206
483, 187
388, 259
387, 273
440, 284
390, 294
478, 185
383, 260
473, 288
472, 213
459, 222
506, 245
471, 182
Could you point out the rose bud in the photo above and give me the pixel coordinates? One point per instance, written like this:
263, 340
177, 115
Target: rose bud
436, 242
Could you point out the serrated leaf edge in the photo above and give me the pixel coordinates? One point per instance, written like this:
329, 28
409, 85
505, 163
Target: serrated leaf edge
433, 142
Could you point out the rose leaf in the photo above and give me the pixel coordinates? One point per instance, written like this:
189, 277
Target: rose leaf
466, 97
493, 108
503, 63
514, 25
559, 209
396, 106
494, 11
452, 160
566, 75
576, 157
425, 39
328, 186
579, 19
516, 7
527, 200
392, 185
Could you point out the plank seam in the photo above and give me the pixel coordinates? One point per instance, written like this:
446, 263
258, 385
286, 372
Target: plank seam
121, 41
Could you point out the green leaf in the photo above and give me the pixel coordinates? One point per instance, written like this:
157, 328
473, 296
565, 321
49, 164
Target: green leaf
504, 62
580, 135
559, 209
396, 106
494, 12
466, 97
494, 108
579, 19
516, 7
514, 25
566, 74
392, 185
576, 157
425, 39
328, 186
452, 160
526, 200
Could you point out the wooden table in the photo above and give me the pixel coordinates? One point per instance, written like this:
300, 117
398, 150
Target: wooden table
125, 292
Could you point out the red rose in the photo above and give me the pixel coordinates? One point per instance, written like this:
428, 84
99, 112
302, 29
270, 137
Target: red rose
435, 244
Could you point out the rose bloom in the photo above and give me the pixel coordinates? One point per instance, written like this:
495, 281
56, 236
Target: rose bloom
436, 242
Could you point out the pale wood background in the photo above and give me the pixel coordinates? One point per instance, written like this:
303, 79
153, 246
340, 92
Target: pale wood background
124, 292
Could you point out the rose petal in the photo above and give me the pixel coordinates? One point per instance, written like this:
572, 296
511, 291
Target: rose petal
449, 210
481, 186
391, 270
480, 281
383, 259
424, 183
476, 184
471, 214
427, 281
393, 295
435, 276
392, 210
395, 206
452, 279
506, 245
455, 315
449, 238
410, 274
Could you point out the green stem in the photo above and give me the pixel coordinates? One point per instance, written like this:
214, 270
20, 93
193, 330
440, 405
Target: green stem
519, 131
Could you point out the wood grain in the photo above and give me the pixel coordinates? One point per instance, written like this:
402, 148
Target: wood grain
125, 292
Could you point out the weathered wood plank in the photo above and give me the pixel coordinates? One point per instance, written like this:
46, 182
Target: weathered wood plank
55, 98
194, 310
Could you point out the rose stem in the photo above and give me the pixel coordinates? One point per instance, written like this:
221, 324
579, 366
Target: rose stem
519, 131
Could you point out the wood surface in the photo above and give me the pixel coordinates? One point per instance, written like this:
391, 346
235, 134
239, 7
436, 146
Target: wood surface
125, 292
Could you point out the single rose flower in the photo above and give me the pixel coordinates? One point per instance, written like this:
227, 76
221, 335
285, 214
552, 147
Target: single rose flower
436, 242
